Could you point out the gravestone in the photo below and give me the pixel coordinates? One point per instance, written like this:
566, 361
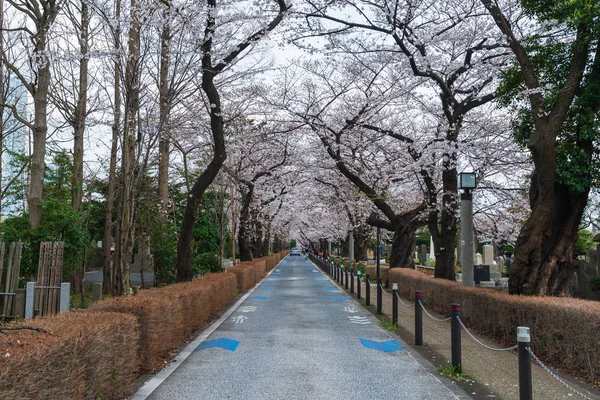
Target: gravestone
431, 249
422, 254
488, 255
96, 291
478, 259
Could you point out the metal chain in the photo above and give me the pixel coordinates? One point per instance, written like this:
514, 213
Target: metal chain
383, 290
372, 284
401, 302
431, 316
552, 374
482, 344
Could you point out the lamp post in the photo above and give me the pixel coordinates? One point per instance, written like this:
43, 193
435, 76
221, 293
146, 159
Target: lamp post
351, 233
466, 182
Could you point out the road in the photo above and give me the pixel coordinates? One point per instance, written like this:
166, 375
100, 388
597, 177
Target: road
297, 336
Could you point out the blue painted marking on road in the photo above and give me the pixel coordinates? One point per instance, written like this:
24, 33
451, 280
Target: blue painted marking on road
339, 298
331, 288
258, 297
265, 287
387, 346
224, 343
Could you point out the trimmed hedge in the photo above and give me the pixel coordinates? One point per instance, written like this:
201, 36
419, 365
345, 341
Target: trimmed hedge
565, 332
82, 356
372, 271
100, 352
169, 315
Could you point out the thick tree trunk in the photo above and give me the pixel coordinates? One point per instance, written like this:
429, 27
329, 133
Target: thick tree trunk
361, 242
80, 111
165, 109
403, 246
444, 238
544, 258
264, 252
258, 238
107, 270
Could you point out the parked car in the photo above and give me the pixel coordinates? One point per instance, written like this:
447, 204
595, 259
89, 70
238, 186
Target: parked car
295, 251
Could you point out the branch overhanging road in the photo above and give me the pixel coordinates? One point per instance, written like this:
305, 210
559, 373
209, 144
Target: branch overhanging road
298, 337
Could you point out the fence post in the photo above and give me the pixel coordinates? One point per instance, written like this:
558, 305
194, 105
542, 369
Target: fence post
525, 384
358, 282
379, 295
29, 299
367, 289
65, 297
346, 282
418, 319
395, 304
352, 281
455, 338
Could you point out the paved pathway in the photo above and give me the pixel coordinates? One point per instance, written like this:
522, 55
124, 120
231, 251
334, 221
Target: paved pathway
297, 336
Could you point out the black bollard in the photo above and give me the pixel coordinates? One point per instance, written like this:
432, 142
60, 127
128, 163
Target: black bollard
352, 281
347, 276
418, 319
395, 304
379, 295
455, 338
359, 285
525, 385
367, 289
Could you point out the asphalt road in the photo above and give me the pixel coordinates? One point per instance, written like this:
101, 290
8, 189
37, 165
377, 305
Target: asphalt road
297, 336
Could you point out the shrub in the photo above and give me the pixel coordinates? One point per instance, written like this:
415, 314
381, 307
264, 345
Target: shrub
84, 355
169, 315
565, 332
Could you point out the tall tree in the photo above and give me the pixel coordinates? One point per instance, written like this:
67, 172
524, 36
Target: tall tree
558, 66
42, 14
210, 71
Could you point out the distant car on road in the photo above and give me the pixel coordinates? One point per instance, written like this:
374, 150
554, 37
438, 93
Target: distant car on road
295, 251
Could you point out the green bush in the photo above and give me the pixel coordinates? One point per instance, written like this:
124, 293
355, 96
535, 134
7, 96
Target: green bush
205, 263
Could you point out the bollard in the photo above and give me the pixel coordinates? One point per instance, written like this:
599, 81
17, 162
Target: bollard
418, 319
347, 276
395, 304
359, 284
337, 274
455, 338
525, 385
352, 281
379, 295
367, 289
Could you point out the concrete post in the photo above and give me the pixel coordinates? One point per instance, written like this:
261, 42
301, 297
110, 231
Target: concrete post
20, 304
29, 299
65, 297
466, 238
525, 380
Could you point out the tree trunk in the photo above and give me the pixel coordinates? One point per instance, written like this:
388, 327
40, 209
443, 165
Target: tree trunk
444, 238
38, 164
2, 101
403, 246
125, 223
107, 270
165, 109
361, 242
266, 241
258, 237
544, 258
184, 245
80, 110
244, 245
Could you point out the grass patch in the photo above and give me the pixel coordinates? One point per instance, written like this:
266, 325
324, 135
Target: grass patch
388, 325
363, 303
452, 372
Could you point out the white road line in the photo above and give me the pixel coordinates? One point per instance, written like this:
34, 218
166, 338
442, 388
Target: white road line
150, 386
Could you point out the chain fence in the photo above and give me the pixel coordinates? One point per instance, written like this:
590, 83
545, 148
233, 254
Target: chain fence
409, 305
383, 290
431, 316
552, 374
483, 344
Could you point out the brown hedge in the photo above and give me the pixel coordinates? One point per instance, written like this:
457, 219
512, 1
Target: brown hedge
565, 332
84, 355
248, 273
169, 315
372, 271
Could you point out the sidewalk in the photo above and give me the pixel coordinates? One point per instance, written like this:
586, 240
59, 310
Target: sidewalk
496, 370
